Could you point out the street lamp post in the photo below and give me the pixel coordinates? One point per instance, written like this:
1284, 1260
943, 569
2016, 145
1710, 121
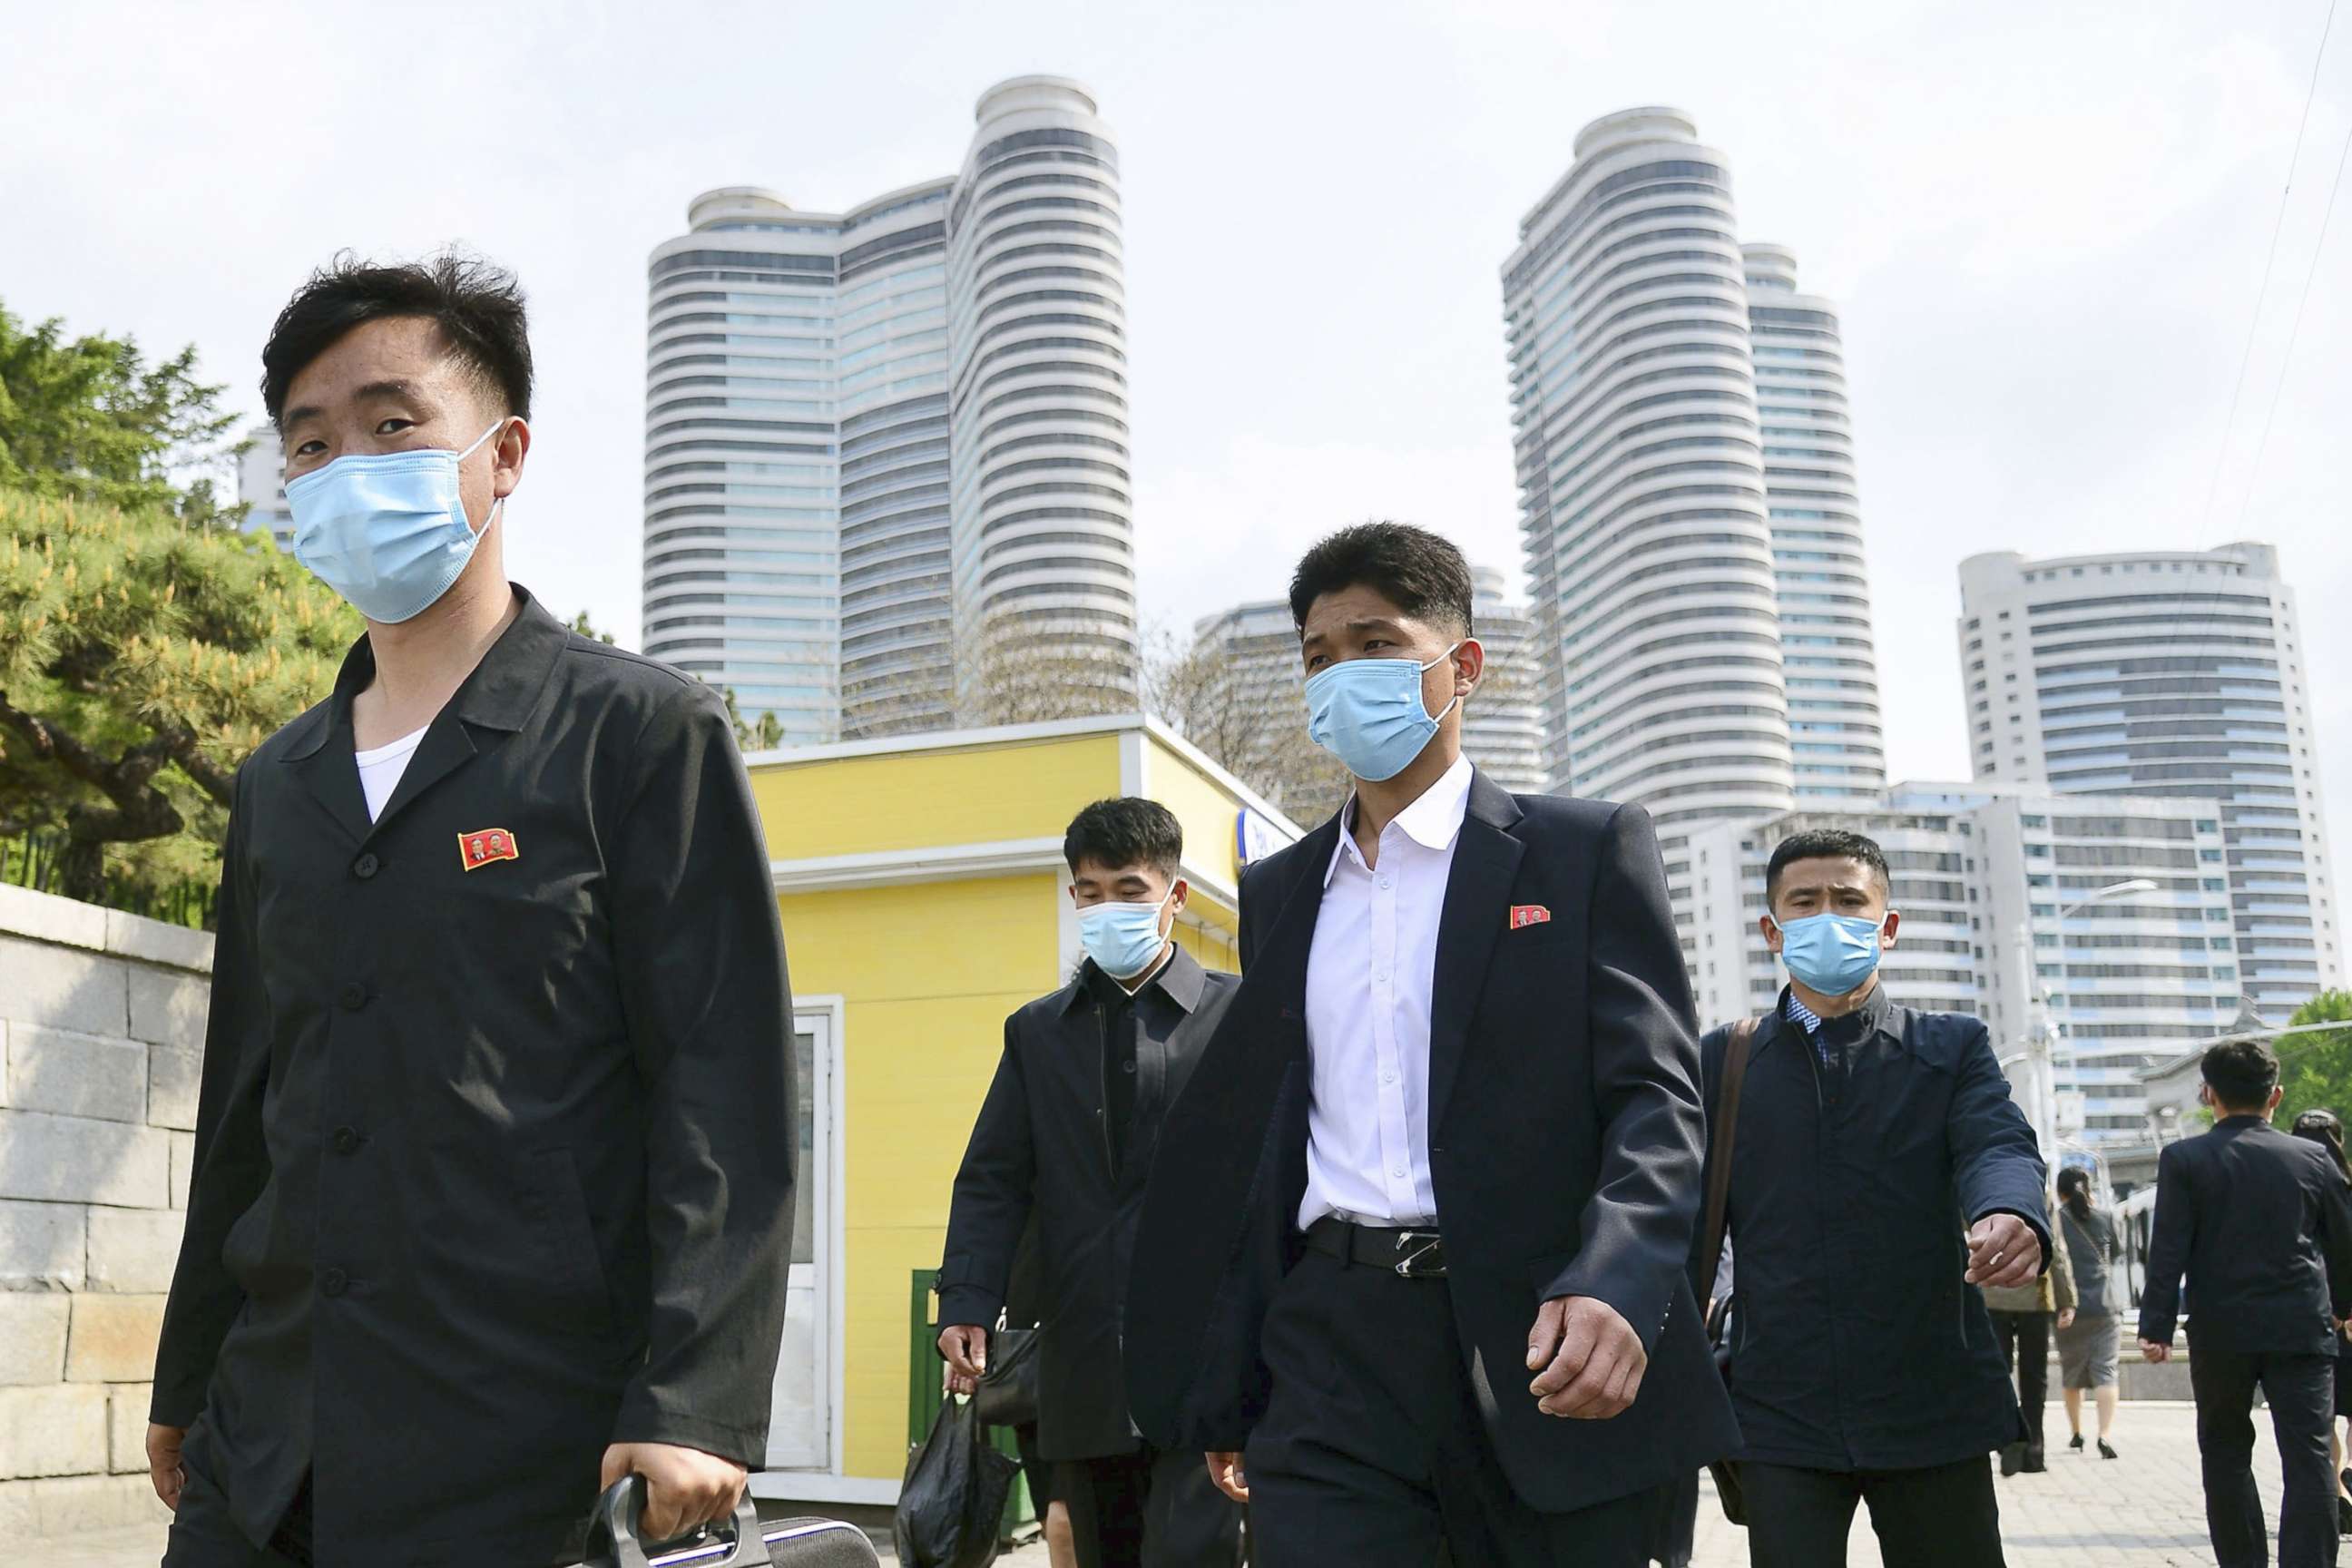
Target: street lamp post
2043, 1066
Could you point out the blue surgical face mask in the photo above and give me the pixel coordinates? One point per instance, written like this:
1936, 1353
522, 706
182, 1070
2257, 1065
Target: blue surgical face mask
1367, 712
1122, 939
1831, 954
386, 529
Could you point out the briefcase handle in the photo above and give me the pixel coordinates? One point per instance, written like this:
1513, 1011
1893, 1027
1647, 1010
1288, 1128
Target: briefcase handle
613, 1532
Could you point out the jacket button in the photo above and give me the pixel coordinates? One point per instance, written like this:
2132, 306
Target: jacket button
346, 1141
333, 1282
366, 866
352, 997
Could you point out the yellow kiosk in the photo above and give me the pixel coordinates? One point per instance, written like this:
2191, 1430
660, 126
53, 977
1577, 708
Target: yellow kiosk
924, 896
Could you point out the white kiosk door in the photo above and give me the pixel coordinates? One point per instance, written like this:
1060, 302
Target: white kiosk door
799, 1425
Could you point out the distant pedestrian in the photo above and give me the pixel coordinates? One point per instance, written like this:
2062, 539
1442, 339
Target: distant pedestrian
2023, 1317
1067, 1136
2261, 1225
1880, 1174
2086, 1347
2326, 1129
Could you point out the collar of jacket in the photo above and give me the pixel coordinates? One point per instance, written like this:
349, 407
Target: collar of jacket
1182, 980
1877, 1012
499, 695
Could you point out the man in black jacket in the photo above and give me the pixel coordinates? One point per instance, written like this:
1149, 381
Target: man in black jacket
1066, 1134
2259, 1221
493, 1185
1869, 1138
1415, 1237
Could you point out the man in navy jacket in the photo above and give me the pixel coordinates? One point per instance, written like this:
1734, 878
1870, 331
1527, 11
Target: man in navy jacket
1879, 1176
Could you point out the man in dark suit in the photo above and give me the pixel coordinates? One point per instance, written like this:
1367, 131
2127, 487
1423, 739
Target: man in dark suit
1414, 1243
1880, 1174
1067, 1133
2260, 1222
492, 1200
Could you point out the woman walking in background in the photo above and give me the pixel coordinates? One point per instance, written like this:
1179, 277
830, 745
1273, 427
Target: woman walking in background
2327, 1129
2086, 1347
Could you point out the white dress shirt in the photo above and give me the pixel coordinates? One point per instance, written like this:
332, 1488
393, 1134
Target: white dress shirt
1369, 979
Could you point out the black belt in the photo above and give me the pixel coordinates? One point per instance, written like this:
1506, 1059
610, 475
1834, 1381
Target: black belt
1415, 1253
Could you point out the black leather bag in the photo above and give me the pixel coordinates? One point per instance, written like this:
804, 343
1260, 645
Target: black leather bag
1008, 1389
1720, 1314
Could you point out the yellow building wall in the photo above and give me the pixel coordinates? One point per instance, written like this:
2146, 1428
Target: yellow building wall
1205, 810
928, 972
920, 799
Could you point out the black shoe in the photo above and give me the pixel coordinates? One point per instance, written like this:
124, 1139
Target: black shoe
2013, 1459
2075, 1442
2346, 1477
2106, 1452
2344, 1515
2035, 1463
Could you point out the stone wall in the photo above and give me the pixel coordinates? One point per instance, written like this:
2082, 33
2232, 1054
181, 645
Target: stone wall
101, 1032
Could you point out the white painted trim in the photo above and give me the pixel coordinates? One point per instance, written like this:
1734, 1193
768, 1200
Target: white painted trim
831, 1201
1134, 768
932, 863
948, 740
808, 1486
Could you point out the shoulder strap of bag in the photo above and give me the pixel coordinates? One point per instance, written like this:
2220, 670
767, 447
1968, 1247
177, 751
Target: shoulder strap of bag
1726, 1127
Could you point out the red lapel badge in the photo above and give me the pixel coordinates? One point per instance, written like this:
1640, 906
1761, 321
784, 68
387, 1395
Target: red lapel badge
1523, 915
481, 846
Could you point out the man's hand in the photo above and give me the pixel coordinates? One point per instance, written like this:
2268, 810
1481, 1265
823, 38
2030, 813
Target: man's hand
685, 1488
164, 1466
2003, 1251
1225, 1469
2151, 1350
2066, 1321
966, 1350
1588, 1361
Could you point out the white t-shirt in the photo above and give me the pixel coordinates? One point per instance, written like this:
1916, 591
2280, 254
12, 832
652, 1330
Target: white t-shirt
380, 769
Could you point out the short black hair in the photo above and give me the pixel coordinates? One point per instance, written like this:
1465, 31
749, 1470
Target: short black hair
479, 307
1420, 573
2241, 1073
1825, 844
1125, 831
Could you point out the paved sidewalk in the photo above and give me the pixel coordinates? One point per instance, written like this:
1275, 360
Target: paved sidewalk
2144, 1510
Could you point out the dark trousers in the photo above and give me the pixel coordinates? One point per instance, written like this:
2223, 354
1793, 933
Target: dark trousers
1371, 1452
2301, 1390
1944, 1516
1149, 1509
2025, 1346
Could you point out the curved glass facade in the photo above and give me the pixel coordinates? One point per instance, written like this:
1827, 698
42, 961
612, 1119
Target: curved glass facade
870, 435
1827, 655
2177, 674
1040, 501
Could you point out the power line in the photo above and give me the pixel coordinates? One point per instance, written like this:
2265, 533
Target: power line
2287, 357
2254, 328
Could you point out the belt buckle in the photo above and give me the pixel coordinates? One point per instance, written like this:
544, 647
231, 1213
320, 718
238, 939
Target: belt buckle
1430, 1242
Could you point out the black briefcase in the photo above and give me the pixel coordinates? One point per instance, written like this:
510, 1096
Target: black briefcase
612, 1540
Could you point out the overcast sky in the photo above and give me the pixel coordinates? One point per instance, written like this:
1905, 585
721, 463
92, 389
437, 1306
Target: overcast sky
2045, 224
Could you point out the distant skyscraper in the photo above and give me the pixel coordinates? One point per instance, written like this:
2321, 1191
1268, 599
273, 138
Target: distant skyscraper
1642, 485
261, 485
1043, 543
1826, 651
811, 540
2177, 674
1502, 729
